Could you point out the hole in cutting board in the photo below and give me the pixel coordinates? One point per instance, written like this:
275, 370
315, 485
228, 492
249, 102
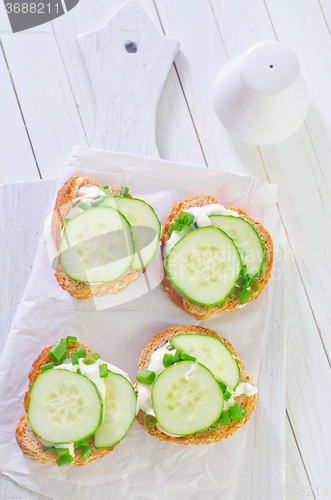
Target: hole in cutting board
131, 47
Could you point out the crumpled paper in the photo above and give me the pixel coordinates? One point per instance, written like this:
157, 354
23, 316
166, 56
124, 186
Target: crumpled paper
140, 466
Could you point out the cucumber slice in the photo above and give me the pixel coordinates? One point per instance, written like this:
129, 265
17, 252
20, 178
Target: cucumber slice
64, 407
204, 266
186, 398
96, 246
119, 411
213, 354
146, 227
246, 239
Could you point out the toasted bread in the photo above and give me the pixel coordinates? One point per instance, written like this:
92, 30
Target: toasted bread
232, 301
29, 443
63, 205
209, 435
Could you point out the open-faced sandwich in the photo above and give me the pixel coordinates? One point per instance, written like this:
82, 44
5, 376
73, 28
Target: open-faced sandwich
104, 237
192, 387
216, 258
78, 407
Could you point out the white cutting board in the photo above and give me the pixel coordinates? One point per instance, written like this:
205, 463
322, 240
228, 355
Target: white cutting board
128, 62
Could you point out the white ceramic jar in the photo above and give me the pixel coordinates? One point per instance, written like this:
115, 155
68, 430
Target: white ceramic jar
260, 96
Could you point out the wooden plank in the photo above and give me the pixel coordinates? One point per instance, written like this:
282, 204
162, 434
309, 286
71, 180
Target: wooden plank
297, 483
45, 98
16, 155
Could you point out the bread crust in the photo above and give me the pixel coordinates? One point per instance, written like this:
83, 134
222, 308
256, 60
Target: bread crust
63, 205
26, 439
232, 301
209, 435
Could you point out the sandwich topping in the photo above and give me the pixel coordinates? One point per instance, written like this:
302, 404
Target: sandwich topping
76, 398
191, 384
105, 234
211, 253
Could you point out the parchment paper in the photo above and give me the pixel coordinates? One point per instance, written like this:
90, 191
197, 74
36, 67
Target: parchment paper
140, 466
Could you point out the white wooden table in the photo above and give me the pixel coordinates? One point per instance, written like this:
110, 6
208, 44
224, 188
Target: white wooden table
47, 107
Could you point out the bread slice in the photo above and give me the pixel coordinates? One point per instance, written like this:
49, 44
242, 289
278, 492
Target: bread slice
209, 435
232, 301
64, 202
26, 439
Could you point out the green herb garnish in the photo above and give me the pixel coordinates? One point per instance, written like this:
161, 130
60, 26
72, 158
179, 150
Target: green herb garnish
184, 220
103, 369
47, 366
146, 376
124, 191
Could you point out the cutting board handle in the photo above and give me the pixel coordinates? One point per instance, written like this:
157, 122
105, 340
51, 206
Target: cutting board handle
128, 62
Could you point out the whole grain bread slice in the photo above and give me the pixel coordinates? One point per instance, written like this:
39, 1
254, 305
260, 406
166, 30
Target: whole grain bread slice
26, 439
65, 200
209, 435
232, 302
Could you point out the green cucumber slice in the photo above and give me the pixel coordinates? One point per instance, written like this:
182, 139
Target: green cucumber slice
146, 227
213, 354
246, 239
204, 266
186, 398
119, 411
96, 246
64, 407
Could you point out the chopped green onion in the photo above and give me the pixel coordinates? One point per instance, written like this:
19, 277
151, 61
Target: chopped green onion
61, 451
79, 372
170, 347
243, 411
89, 360
243, 271
48, 366
146, 376
241, 281
214, 425
177, 356
184, 220
57, 352
66, 361
171, 229
226, 418
187, 357
65, 220
81, 351
80, 443
86, 452
248, 280
83, 205
167, 359
124, 191
196, 225
71, 340
66, 459
243, 295
97, 201
222, 386
227, 395
50, 448
255, 285
74, 358
64, 342
145, 420
236, 413
107, 191
103, 369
